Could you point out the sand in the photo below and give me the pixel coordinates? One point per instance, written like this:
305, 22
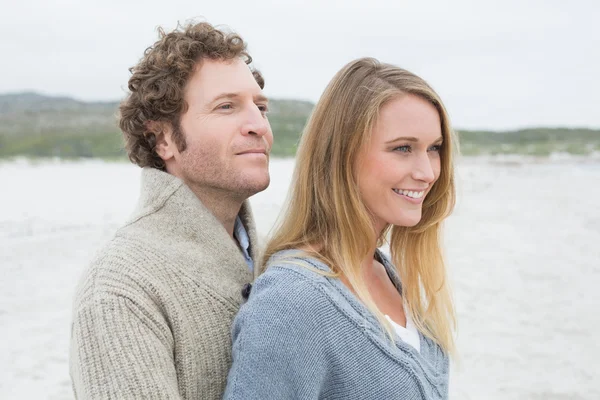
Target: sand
523, 249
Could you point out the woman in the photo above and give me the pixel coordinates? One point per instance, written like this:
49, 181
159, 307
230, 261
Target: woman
331, 317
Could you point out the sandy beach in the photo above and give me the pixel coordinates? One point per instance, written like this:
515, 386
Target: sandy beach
523, 249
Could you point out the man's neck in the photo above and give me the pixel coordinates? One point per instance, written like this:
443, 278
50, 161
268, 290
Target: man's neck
221, 205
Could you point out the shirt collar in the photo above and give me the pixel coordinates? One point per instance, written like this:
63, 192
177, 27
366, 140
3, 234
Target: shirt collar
240, 234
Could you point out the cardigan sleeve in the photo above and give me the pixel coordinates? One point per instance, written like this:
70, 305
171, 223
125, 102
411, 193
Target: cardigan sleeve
278, 348
119, 350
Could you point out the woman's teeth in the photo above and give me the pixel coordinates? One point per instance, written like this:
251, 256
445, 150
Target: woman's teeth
408, 193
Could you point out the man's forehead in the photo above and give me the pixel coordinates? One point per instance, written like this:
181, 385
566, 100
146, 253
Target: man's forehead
217, 78
211, 70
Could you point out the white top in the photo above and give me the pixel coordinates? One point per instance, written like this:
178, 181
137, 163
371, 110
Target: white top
410, 334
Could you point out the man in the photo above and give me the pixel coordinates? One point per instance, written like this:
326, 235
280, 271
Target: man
153, 313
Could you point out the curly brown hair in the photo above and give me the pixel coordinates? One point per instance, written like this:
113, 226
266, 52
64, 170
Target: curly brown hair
158, 81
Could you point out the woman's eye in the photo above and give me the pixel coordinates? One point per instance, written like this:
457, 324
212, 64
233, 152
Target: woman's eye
403, 149
436, 147
225, 107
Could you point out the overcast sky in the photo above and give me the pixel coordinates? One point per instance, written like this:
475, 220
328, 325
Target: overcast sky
496, 64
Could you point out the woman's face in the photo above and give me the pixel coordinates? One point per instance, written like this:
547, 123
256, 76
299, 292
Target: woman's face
397, 169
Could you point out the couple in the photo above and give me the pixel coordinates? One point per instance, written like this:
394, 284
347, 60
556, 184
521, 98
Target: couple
329, 316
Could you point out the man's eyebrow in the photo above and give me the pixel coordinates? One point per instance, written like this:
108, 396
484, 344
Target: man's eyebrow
233, 95
225, 96
261, 98
411, 139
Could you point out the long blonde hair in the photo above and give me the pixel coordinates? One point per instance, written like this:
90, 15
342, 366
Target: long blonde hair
324, 206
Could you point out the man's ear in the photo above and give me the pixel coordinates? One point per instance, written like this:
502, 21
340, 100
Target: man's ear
164, 145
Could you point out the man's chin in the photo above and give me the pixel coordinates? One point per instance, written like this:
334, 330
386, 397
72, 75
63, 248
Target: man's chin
256, 185
263, 185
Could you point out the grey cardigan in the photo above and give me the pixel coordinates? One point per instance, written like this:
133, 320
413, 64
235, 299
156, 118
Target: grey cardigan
302, 335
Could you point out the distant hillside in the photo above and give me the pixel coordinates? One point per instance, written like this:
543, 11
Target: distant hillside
14, 103
35, 125
533, 141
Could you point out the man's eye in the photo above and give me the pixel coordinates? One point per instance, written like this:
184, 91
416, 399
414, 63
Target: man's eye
225, 107
263, 108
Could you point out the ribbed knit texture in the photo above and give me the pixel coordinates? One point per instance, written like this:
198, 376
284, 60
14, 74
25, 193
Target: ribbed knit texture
152, 314
302, 335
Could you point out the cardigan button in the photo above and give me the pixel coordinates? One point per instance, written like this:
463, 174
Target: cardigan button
246, 291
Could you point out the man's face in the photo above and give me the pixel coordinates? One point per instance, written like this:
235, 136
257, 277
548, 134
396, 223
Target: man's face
226, 130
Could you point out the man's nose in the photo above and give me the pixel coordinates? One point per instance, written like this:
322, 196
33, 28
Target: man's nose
256, 123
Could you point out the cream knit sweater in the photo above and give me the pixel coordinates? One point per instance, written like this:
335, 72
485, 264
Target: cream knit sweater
152, 314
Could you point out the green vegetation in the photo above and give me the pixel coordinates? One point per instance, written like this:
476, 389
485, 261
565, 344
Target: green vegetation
34, 126
534, 142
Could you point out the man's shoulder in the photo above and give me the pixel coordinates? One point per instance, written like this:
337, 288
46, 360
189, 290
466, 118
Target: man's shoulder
117, 268
126, 250
130, 262
147, 265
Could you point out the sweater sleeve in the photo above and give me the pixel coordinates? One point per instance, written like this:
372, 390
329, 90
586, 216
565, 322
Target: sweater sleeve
119, 350
278, 349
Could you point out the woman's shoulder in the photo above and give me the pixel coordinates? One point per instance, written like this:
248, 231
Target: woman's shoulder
292, 274
287, 299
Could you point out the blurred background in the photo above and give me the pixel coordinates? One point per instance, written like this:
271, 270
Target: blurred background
520, 82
